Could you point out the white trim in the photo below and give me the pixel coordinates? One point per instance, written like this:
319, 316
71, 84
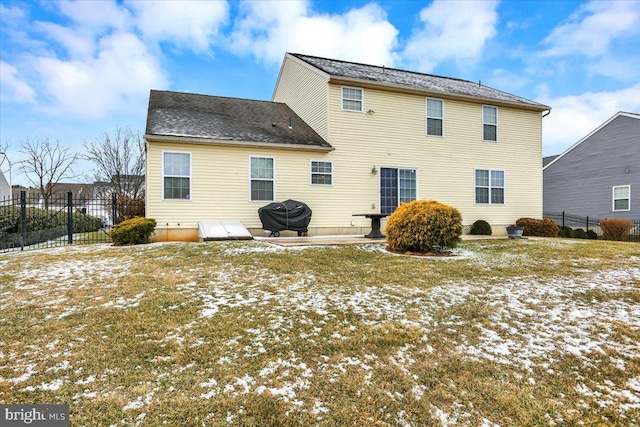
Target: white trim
342, 88
504, 188
490, 124
613, 198
615, 116
317, 173
178, 176
257, 156
397, 168
181, 139
426, 113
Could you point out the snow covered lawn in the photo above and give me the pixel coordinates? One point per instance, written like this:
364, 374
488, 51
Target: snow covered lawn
526, 333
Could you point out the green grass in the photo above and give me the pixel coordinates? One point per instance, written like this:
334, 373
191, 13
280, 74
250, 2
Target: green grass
508, 333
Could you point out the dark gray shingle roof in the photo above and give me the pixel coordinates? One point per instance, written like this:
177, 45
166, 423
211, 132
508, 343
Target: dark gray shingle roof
549, 159
227, 119
413, 80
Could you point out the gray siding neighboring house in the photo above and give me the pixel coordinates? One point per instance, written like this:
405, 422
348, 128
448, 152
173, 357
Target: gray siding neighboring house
599, 176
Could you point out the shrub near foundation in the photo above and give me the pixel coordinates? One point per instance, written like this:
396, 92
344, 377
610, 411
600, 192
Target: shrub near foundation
538, 227
133, 231
616, 229
423, 226
480, 228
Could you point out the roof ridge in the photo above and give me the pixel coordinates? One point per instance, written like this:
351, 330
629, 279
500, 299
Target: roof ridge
215, 96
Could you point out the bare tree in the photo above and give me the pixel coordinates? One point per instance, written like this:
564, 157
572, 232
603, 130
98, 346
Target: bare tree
46, 164
119, 162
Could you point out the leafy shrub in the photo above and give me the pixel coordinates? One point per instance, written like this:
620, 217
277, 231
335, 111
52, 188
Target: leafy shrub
423, 226
579, 233
133, 231
538, 227
565, 232
480, 228
592, 235
616, 229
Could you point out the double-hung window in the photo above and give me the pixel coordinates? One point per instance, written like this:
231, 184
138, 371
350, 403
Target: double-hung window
321, 173
176, 175
489, 186
489, 123
262, 179
622, 198
352, 98
435, 116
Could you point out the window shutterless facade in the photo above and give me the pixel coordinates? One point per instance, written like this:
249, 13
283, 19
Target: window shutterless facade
262, 172
489, 186
489, 123
435, 117
176, 175
321, 173
352, 98
622, 198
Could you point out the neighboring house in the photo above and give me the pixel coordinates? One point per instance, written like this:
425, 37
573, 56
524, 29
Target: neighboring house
81, 194
599, 176
344, 138
5, 190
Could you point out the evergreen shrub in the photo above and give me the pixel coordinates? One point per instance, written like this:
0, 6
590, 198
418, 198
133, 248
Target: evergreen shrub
423, 226
579, 233
592, 235
133, 231
480, 228
568, 231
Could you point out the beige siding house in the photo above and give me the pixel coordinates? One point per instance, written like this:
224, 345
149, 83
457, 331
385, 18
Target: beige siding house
344, 138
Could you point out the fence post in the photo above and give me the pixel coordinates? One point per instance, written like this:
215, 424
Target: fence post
563, 224
70, 217
114, 208
23, 218
587, 225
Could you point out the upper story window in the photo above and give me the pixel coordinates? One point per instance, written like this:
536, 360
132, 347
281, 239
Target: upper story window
262, 179
489, 123
622, 198
435, 116
490, 186
321, 173
352, 98
176, 175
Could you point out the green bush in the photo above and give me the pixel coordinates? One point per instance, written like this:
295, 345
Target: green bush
579, 233
568, 231
423, 226
592, 235
616, 229
538, 227
133, 231
480, 228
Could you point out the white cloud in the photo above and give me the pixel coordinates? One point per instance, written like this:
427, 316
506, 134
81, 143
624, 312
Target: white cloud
118, 78
573, 117
591, 30
194, 25
96, 15
452, 30
269, 29
12, 88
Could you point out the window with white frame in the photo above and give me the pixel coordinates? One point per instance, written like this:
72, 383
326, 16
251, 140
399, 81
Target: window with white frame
351, 98
262, 179
622, 198
489, 123
489, 186
435, 116
176, 175
321, 173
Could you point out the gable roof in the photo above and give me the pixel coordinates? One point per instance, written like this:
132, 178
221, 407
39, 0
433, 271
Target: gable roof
568, 150
228, 121
392, 77
548, 159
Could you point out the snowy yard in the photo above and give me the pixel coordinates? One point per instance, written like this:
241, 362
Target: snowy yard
526, 333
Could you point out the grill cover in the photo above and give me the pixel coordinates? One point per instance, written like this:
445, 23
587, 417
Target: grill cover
288, 215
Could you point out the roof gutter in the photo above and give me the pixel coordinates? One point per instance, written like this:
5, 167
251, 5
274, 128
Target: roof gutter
184, 139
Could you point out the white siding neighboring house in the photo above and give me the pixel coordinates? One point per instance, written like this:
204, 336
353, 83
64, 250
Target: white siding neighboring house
5, 190
344, 138
599, 176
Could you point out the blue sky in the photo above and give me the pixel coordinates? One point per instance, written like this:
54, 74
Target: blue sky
73, 70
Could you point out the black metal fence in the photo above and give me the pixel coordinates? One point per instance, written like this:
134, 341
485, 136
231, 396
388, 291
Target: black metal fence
31, 222
586, 223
